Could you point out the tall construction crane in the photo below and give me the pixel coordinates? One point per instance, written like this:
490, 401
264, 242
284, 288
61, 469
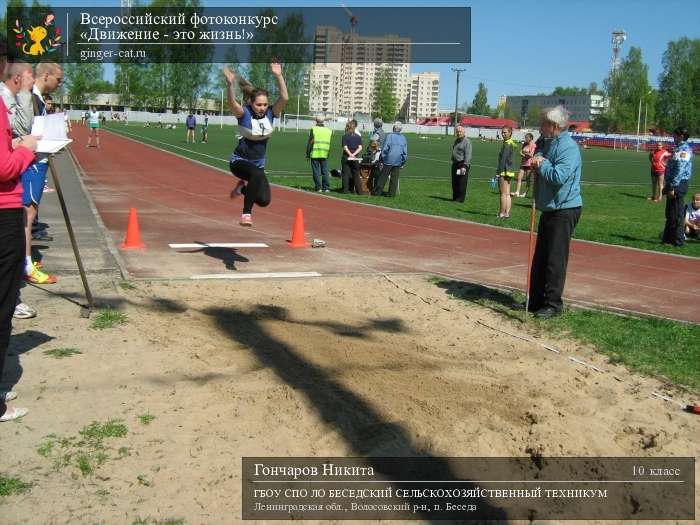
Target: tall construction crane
353, 20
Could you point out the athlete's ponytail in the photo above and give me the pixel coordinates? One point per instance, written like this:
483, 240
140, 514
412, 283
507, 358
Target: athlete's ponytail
250, 92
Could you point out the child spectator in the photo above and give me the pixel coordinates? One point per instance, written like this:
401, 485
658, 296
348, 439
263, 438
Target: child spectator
527, 151
191, 124
692, 217
372, 158
374, 151
505, 172
205, 128
658, 159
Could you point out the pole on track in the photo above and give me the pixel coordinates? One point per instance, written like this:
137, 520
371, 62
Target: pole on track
530, 251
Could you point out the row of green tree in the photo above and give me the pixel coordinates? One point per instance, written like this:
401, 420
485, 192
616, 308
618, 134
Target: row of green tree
630, 99
480, 105
675, 102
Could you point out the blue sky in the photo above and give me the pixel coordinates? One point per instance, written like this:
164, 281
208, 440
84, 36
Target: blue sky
523, 48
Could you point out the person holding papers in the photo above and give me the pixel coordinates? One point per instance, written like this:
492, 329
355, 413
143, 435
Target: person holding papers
350, 162
48, 77
15, 156
16, 92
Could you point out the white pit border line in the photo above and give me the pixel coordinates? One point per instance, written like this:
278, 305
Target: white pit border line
253, 275
203, 245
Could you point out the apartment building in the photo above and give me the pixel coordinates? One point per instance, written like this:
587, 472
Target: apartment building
345, 69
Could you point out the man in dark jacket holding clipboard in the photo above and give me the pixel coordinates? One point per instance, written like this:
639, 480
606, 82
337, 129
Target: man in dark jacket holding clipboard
461, 162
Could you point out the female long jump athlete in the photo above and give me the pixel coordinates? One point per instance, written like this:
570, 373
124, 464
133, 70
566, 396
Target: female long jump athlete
255, 126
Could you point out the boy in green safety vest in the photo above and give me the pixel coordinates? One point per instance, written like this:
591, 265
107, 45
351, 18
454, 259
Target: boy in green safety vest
317, 149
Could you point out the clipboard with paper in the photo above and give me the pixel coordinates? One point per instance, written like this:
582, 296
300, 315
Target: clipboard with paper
52, 130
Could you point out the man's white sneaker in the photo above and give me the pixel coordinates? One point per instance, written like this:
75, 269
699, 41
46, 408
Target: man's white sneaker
24, 311
13, 413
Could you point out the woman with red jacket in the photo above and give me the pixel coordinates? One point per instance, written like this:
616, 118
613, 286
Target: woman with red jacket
15, 157
658, 159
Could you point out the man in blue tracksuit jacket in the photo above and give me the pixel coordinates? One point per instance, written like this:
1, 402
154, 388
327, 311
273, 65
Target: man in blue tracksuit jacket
678, 172
558, 197
393, 157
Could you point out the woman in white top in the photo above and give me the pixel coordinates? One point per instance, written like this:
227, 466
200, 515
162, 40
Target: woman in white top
94, 123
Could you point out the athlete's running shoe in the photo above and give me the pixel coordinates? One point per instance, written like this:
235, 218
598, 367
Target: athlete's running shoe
246, 219
39, 277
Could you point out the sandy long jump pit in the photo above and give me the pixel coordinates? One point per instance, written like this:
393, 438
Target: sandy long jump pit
206, 373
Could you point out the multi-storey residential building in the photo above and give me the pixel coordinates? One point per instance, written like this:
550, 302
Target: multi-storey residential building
423, 96
582, 107
343, 76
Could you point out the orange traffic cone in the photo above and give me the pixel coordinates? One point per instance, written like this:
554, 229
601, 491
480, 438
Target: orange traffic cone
298, 236
133, 233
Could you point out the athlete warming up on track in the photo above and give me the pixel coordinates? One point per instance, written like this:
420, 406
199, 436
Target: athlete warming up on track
255, 127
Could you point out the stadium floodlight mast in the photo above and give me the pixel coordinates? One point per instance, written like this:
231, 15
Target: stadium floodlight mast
618, 38
458, 71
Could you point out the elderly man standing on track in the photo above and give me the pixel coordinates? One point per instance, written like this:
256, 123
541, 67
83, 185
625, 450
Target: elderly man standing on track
461, 162
558, 197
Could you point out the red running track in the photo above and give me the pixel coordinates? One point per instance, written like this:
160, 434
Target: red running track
180, 201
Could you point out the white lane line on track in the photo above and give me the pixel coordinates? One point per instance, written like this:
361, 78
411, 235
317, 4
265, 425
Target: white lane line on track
219, 245
259, 275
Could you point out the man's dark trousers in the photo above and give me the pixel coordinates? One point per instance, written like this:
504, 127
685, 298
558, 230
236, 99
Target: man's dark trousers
383, 176
551, 258
459, 183
675, 216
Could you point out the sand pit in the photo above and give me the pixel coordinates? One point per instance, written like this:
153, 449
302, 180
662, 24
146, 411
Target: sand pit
205, 373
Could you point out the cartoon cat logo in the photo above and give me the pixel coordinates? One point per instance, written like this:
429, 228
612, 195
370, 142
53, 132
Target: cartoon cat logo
36, 35
33, 43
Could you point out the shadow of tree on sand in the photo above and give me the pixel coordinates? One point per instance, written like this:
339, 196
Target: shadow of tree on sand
356, 420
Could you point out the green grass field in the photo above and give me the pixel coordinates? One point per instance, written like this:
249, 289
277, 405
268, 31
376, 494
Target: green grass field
615, 183
657, 347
